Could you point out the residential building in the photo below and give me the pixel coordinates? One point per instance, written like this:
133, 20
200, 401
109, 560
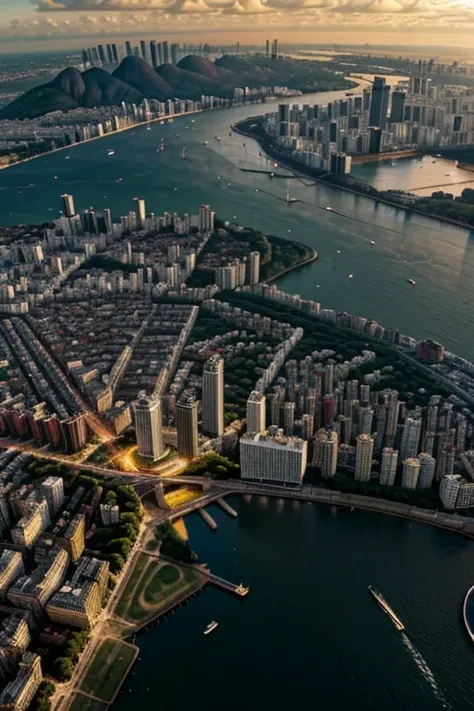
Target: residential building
11, 567
79, 601
186, 418
32, 591
213, 397
19, 693
427, 470
32, 525
52, 489
411, 472
325, 450
388, 467
448, 490
364, 450
75, 536
256, 416
14, 639
410, 438
272, 457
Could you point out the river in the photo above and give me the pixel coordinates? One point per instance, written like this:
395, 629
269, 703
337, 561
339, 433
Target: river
309, 632
439, 257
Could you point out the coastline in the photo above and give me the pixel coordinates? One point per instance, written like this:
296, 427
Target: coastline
464, 613
307, 172
313, 255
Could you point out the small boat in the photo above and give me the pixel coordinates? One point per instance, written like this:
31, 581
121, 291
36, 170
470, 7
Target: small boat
110, 152
330, 209
67, 157
350, 276
148, 128
55, 177
183, 154
411, 281
204, 143
120, 180
218, 138
211, 627
371, 241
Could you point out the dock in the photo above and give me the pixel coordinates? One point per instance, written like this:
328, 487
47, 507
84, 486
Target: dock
208, 519
240, 589
227, 508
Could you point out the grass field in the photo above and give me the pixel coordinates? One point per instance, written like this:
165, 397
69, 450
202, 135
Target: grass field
83, 703
107, 669
152, 588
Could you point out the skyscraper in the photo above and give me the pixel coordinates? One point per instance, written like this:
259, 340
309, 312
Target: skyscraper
427, 470
275, 49
52, 489
254, 268
128, 49
388, 467
153, 54
255, 416
115, 52
288, 418
411, 472
410, 438
186, 416
166, 53
175, 52
141, 212
68, 205
159, 53
206, 219
325, 452
379, 103
148, 427
364, 449
143, 51
213, 397
267, 48
101, 52
398, 106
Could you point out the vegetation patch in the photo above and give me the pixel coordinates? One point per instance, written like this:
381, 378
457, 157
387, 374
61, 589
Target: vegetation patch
126, 596
108, 669
85, 703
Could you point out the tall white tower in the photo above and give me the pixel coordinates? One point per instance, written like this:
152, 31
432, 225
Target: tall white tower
213, 396
148, 427
256, 412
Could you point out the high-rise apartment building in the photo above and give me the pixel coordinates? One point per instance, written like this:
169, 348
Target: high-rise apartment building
448, 490
388, 466
254, 268
148, 427
52, 489
325, 449
153, 54
289, 418
427, 470
186, 417
409, 446
273, 457
364, 450
255, 416
68, 205
175, 53
366, 415
275, 49
379, 103
213, 397
411, 472
141, 212
206, 219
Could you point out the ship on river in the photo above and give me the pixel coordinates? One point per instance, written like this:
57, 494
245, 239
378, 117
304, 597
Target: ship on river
381, 601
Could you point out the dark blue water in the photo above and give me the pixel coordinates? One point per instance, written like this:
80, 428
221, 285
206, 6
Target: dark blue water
309, 632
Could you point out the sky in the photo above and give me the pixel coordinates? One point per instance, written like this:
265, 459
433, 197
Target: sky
62, 24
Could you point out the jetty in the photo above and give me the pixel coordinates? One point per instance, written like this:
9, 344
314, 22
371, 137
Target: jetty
208, 519
227, 508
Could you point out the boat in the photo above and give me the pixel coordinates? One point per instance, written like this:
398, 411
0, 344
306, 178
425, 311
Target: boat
148, 128
218, 138
330, 209
411, 281
211, 627
350, 276
381, 601
183, 154
371, 241
204, 143
110, 152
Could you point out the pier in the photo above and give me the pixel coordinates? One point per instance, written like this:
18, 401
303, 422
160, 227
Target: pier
240, 589
208, 519
227, 508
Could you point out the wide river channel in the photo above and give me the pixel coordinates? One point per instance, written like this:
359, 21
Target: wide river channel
308, 634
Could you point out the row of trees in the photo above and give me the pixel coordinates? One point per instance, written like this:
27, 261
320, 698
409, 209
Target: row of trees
172, 545
213, 466
63, 666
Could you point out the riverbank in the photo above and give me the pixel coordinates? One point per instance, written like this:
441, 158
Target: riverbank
313, 255
243, 129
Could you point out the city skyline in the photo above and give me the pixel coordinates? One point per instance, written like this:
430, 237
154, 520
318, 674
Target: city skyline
61, 24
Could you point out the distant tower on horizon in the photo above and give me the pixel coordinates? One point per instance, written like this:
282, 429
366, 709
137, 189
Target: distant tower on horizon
267, 48
275, 49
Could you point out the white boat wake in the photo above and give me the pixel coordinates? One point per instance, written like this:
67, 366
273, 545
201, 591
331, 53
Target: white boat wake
426, 671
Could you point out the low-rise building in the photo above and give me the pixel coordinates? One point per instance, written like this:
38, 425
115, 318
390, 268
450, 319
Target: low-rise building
19, 693
34, 590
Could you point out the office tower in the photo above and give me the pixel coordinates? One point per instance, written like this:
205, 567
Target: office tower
427, 470
267, 48
364, 449
52, 489
411, 472
272, 457
254, 268
108, 220
398, 106
186, 417
206, 219
128, 49
166, 53
448, 490
11, 567
255, 416
68, 205
409, 446
175, 52
325, 446
213, 397
288, 418
379, 103
153, 54
148, 427
275, 49
75, 536
388, 467
283, 113
19, 693
143, 51
366, 415
141, 212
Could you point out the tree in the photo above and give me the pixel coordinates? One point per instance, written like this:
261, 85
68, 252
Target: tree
63, 668
116, 562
